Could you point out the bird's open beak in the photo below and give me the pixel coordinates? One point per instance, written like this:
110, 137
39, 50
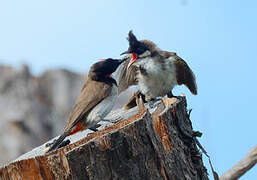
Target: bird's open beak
125, 52
133, 60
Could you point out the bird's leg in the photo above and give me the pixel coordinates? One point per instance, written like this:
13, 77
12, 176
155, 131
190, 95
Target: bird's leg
152, 102
50, 143
170, 95
92, 125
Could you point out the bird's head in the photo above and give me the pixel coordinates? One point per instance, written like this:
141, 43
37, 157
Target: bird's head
139, 50
104, 68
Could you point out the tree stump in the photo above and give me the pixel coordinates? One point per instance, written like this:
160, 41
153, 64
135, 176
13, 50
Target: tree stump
148, 143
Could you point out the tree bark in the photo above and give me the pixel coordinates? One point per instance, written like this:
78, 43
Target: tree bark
153, 143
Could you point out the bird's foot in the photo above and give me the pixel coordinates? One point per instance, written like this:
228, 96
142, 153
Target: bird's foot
106, 120
50, 143
94, 128
170, 95
152, 103
115, 119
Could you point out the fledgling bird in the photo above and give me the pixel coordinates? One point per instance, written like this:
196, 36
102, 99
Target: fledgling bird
95, 101
157, 71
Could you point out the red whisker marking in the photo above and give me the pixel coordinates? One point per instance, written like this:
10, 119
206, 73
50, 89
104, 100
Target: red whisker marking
134, 56
133, 60
77, 128
101, 59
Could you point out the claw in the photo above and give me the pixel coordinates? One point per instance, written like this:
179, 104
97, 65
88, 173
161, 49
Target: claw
94, 128
151, 104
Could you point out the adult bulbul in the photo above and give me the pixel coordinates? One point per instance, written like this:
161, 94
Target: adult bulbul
95, 101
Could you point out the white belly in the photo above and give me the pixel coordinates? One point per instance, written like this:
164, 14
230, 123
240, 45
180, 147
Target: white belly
103, 108
158, 81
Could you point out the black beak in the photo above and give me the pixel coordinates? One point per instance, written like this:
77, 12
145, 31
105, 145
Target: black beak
125, 52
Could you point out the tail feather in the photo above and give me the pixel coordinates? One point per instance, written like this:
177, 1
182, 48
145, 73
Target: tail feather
59, 141
76, 127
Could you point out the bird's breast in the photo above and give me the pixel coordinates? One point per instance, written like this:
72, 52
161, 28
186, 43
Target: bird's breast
159, 79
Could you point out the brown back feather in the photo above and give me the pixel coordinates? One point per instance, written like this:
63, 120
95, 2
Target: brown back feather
185, 75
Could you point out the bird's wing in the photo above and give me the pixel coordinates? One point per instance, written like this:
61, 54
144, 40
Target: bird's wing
126, 77
92, 94
185, 75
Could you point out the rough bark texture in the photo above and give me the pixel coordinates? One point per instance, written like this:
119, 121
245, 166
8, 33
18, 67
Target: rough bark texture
151, 144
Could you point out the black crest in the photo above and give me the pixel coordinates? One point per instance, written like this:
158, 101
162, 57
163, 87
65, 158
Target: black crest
135, 46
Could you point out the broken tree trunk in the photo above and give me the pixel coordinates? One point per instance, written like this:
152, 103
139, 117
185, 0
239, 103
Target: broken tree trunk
149, 143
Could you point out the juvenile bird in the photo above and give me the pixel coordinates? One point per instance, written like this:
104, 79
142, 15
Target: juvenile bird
95, 101
157, 71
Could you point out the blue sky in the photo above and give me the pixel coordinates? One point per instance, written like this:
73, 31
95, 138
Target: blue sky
217, 38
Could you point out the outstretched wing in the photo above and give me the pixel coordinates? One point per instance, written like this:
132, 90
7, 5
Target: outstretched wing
126, 77
185, 75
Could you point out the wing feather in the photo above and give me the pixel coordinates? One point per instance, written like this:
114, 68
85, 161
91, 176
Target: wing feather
185, 75
92, 94
126, 77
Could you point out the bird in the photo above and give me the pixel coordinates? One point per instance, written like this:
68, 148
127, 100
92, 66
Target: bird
95, 101
155, 71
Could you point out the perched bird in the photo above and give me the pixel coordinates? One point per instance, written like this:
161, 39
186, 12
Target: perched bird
156, 71
95, 101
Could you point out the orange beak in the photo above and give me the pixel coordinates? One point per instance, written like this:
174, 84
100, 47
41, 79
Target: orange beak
133, 60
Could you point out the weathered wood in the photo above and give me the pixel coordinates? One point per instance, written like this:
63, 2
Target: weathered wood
242, 166
151, 144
